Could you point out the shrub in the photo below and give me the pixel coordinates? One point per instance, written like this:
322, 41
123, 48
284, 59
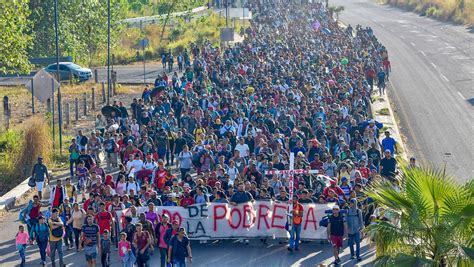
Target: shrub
20, 148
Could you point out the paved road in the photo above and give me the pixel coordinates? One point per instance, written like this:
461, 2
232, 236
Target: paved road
226, 253
433, 77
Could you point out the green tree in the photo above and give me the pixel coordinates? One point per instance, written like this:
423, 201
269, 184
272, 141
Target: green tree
82, 27
434, 222
14, 37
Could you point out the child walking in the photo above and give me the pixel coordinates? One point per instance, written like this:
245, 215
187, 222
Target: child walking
125, 251
105, 249
21, 241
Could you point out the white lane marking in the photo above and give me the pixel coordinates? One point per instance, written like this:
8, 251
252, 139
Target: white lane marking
382, 25
463, 98
403, 37
432, 64
415, 31
444, 78
423, 53
413, 44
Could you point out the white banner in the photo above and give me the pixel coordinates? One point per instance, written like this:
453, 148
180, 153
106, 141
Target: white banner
259, 219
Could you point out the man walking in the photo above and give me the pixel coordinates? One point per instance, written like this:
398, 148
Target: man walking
56, 237
337, 230
90, 236
355, 226
40, 171
295, 233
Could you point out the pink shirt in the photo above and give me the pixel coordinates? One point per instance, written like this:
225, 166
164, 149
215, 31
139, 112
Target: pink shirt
22, 238
162, 229
124, 246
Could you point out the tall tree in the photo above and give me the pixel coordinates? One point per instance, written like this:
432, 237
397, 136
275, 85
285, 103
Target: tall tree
82, 27
14, 37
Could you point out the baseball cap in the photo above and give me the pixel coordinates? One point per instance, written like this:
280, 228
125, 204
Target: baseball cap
335, 207
175, 221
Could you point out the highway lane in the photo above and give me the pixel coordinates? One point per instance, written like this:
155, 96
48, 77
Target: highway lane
431, 81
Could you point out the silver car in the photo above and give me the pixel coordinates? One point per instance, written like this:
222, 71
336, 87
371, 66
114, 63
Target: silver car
68, 70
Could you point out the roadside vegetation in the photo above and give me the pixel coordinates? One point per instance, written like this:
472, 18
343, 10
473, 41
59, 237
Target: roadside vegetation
459, 11
176, 38
431, 220
19, 149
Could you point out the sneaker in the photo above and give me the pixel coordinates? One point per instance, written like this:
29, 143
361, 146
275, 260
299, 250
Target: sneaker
290, 249
338, 260
359, 259
353, 257
246, 241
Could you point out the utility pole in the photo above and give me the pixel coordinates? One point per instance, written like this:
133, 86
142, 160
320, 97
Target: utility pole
56, 29
108, 52
142, 41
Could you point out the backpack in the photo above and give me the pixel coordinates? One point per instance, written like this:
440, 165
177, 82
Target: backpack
39, 236
24, 213
58, 231
136, 184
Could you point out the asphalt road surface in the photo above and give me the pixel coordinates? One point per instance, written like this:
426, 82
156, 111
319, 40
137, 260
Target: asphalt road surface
225, 253
431, 81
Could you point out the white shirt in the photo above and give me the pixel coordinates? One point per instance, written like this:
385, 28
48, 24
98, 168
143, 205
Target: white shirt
243, 149
137, 164
149, 165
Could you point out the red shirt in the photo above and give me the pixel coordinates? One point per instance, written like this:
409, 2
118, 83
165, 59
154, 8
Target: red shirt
364, 171
161, 177
104, 220
187, 201
316, 165
297, 219
336, 189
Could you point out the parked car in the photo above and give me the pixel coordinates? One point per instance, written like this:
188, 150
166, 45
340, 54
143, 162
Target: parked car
68, 70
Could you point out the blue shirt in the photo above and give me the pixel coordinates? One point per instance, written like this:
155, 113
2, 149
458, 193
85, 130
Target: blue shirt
389, 143
90, 232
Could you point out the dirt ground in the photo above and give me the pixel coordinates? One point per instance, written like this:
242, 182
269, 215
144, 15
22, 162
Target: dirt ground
21, 104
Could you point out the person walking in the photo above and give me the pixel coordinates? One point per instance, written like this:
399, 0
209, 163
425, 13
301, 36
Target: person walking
40, 233
180, 249
58, 194
77, 219
336, 231
355, 225
125, 251
160, 232
39, 173
21, 241
90, 237
105, 245
56, 226
142, 242
297, 215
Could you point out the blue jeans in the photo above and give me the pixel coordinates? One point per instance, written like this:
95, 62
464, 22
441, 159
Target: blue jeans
42, 248
177, 263
21, 251
354, 238
295, 236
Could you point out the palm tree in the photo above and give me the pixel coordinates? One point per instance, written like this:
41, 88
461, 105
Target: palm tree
433, 223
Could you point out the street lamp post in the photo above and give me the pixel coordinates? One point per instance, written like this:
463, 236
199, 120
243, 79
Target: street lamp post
108, 52
59, 80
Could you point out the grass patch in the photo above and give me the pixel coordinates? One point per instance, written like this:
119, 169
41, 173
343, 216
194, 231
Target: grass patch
383, 112
460, 11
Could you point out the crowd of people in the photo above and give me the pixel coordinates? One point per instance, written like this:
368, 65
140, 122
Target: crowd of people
299, 83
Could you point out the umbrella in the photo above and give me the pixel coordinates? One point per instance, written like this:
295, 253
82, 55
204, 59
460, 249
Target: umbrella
111, 111
326, 31
157, 91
